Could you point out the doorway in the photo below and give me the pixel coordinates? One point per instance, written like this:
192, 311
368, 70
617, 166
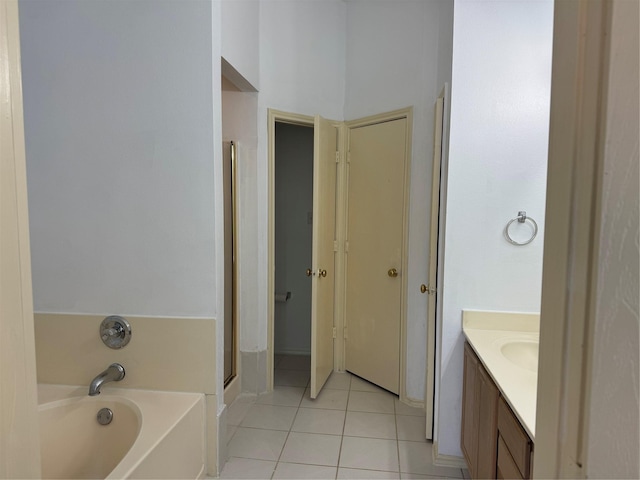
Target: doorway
330, 247
293, 250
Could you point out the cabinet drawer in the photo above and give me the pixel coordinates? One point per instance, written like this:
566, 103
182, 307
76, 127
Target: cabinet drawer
507, 468
515, 439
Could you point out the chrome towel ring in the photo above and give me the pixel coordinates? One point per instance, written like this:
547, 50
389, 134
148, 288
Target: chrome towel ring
521, 218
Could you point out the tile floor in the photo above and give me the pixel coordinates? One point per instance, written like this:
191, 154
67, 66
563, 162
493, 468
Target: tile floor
352, 430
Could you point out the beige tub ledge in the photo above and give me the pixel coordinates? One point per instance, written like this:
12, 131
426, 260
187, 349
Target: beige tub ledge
507, 344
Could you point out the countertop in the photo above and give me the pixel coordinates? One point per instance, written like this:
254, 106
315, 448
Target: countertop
487, 332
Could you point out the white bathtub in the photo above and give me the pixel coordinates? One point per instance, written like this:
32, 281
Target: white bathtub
153, 434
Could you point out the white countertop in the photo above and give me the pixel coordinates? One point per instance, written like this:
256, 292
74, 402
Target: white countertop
487, 332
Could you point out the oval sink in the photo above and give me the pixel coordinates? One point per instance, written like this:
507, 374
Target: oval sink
521, 353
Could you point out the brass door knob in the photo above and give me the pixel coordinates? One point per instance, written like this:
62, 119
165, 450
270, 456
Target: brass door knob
393, 273
309, 272
427, 289
322, 273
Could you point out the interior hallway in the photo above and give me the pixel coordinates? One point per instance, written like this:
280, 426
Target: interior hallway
354, 429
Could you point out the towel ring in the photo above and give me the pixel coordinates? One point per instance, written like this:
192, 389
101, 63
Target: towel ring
521, 218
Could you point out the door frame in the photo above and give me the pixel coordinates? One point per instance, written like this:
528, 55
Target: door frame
432, 279
275, 116
341, 323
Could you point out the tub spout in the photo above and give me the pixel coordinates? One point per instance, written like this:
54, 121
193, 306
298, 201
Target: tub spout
114, 373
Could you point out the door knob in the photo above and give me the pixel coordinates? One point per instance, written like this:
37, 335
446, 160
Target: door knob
427, 289
322, 273
309, 272
393, 273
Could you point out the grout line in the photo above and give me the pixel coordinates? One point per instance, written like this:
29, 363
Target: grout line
344, 424
395, 418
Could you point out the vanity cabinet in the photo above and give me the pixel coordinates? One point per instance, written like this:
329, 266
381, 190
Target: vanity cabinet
493, 442
514, 445
479, 417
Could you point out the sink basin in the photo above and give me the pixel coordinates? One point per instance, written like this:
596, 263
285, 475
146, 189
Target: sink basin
521, 353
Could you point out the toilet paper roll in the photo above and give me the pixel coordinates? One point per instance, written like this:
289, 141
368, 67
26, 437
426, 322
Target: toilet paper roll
283, 297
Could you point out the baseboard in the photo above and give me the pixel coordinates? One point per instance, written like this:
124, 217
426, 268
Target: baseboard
293, 352
411, 401
447, 460
232, 390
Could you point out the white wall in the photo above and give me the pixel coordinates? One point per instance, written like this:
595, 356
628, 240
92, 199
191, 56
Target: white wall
497, 166
240, 37
397, 57
293, 231
613, 432
302, 70
118, 116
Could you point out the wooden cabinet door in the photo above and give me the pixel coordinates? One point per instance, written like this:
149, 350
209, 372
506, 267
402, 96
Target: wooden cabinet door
487, 424
469, 436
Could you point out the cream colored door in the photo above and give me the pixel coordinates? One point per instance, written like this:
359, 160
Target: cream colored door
430, 289
375, 242
322, 270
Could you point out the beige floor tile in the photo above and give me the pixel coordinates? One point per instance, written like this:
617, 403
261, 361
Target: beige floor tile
247, 468
291, 378
369, 453
316, 420
354, 473
295, 362
299, 471
312, 449
360, 385
404, 409
372, 402
416, 457
256, 444
284, 396
372, 425
270, 417
410, 428
339, 381
327, 399
237, 411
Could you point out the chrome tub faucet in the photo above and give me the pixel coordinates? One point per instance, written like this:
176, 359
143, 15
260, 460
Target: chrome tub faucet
114, 373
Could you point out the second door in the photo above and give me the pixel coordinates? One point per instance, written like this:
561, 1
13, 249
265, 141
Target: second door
374, 254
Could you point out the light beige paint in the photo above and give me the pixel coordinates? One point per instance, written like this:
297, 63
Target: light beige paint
432, 290
376, 243
325, 160
163, 354
19, 439
613, 419
581, 127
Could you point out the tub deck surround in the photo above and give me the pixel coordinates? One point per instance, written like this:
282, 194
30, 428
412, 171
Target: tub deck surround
170, 441
487, 333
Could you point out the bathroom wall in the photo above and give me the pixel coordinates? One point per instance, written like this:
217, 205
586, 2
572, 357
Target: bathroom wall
240, 29
124, 184
293, 232
497, 166
118, 115
302, 70
398, 55
613, 436
240, 124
